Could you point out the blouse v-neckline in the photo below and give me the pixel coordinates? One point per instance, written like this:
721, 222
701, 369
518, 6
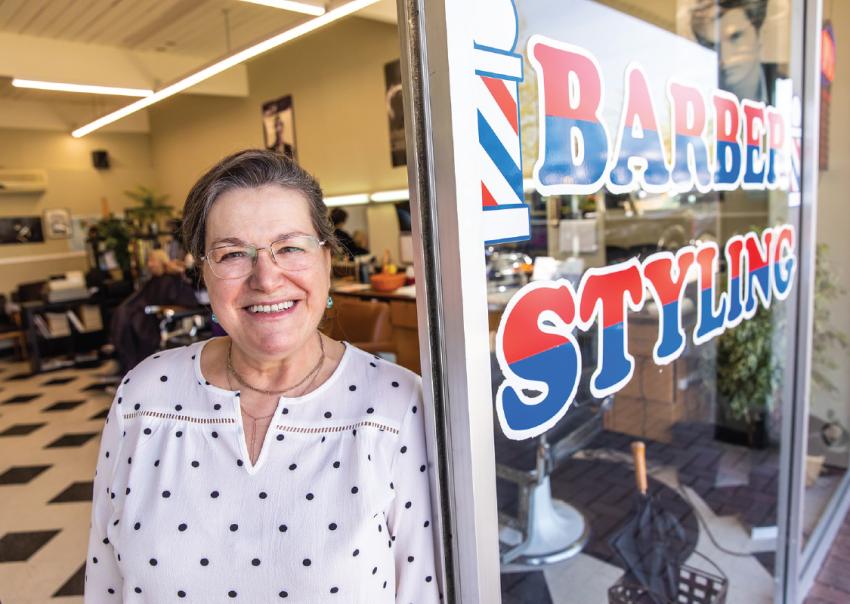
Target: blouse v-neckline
251, 467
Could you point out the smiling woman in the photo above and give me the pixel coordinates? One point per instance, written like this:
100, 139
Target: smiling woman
290, 463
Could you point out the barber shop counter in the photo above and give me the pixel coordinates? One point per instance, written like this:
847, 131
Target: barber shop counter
395, 327
376, 321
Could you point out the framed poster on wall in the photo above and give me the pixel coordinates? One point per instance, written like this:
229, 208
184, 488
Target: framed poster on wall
279, 126
58, 223
21, 229
395, 113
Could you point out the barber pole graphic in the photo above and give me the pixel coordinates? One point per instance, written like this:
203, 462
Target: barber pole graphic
498, 72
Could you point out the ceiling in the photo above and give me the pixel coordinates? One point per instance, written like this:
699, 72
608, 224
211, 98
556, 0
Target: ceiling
195, 27
131, 43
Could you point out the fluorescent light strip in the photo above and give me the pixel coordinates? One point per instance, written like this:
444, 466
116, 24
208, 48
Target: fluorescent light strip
225, 64
394, 195
347, 200
291, 5
83, 88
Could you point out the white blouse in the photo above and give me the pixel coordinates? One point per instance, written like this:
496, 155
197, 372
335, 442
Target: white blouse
336, 509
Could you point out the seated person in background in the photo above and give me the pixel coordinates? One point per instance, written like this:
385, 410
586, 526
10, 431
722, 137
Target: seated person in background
134, 334
347, 244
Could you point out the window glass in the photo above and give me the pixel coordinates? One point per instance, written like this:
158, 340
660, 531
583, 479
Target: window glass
658, 78
828, 443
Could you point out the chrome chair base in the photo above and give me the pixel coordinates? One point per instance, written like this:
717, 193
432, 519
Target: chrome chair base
556, 532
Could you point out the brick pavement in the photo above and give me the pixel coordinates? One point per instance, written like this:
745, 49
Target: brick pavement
832, 585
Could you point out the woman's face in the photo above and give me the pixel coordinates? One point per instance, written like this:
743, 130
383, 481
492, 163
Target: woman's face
260, 216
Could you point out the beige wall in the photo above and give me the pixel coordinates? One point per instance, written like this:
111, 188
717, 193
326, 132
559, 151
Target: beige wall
383, 231
72, 183
833, 209
336, 79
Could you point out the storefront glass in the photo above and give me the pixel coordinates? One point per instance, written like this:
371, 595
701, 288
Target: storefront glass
638, 164
709, 413
828, 438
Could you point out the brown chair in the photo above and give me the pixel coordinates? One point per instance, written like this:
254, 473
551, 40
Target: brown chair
363, 323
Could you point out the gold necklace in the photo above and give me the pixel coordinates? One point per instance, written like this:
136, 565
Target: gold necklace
241, 380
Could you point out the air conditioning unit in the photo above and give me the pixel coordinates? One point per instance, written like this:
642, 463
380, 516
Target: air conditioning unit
22, 181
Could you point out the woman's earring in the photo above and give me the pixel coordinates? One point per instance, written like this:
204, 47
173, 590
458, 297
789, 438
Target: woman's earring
330, 302
214, 318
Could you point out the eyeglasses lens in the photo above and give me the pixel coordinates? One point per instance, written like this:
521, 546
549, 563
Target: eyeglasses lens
290, 254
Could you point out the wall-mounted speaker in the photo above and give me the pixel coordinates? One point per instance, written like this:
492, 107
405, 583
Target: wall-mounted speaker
100, 159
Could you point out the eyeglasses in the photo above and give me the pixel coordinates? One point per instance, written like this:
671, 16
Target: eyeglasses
295, 253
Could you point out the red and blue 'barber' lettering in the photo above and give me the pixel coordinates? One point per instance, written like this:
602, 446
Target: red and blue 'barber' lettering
605, 293
687, 103
668, 291
638, 138
776, 158
727, 160
569, 113
528, 353
754, 129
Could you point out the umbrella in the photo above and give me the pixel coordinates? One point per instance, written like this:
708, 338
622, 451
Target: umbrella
652, 543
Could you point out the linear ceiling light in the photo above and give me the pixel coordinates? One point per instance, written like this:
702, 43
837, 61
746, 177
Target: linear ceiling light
85, 88
395, 195
347, 200
297, 7
225, 64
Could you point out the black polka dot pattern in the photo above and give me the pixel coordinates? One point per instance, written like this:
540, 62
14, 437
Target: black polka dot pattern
200, 518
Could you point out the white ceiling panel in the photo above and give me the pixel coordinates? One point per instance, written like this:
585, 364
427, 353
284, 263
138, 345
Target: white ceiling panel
134, 43
192, 27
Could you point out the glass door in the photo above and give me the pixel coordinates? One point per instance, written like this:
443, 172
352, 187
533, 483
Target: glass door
826, 442
611, 206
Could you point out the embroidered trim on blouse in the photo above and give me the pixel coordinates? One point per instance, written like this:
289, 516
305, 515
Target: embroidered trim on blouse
280, 427
182, 418
320, 430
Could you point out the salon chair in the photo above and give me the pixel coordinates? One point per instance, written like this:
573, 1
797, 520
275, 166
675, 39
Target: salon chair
363, 323
179, 325
549, 530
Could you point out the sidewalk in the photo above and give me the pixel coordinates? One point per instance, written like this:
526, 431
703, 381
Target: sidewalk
832, 585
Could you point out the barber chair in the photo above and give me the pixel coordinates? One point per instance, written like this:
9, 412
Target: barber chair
549, 530
363, 323
179, 326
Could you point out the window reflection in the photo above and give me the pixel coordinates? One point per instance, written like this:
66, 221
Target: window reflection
712, 454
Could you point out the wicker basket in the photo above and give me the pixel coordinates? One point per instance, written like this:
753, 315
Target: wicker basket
695, 587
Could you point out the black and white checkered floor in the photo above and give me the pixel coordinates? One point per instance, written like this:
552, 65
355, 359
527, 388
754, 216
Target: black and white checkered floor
49, 433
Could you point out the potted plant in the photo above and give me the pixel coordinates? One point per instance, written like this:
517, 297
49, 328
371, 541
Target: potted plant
112, 234
748, 374
151, 206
